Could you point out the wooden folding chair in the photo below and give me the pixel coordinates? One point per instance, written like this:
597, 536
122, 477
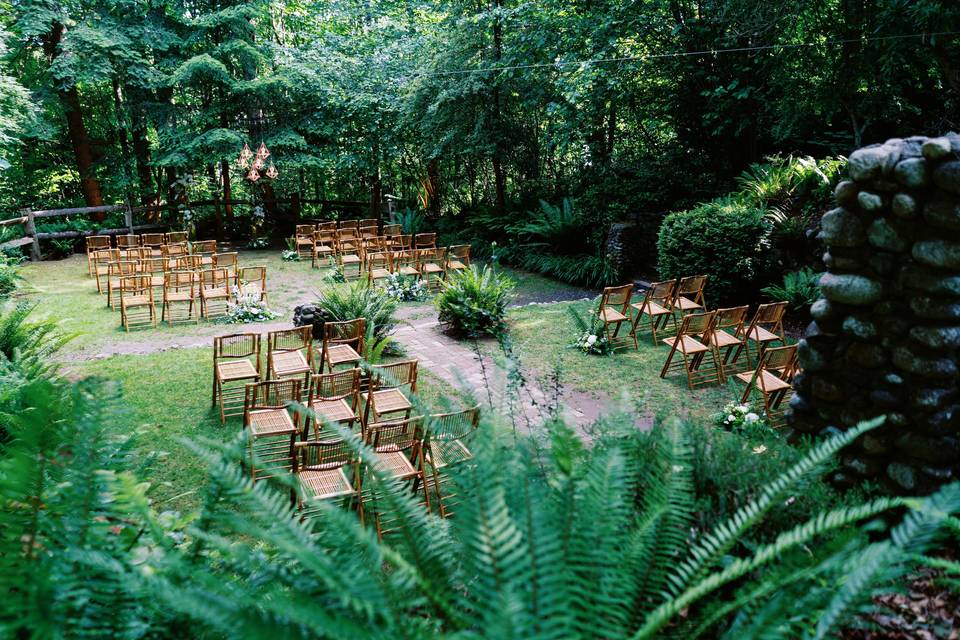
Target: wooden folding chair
349, 254
342, 344
155, 268
694, 342
175, 237
214, 292
379, 267
324, 243
290, 353
765, 328
101, 265
271, 430
432, 265
134, 253
236, 359
400, 242
170, 252
653, 311
253, 281
728, 333
458, 257
94, 244
389, 392
398, 447
406, 263
136, 302
303, 240
425, 241
116, 271
326, 471
229, 261
689, 295
153, 242
179, 292
614, 312
128, 241
446, 445
348, 224
204, 249
368, 231
773, 377
367, 223
335, 399
391, 230
187, 263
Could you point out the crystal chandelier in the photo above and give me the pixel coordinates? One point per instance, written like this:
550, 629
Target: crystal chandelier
254, 163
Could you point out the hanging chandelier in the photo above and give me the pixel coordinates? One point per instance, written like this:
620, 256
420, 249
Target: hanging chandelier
254, 163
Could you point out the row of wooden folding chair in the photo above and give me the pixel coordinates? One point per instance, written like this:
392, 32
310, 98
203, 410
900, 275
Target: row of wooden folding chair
430, 265
157, 266
131, 241
290, 354
662, 302
351, 245
253, 278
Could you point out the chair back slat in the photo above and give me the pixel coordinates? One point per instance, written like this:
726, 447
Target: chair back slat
454, 426
779, 358
661, 292
175, 237
771, 313
394, 375
155, 240
698, 324
397, 435
290, 339
323, 455
691, 285
272, 394
732, 318
338, 385
345, 332
236, 345
617, 297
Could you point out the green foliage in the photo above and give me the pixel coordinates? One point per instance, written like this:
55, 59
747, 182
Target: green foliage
723, 239
588, 270
800, 289
9, 276
473, 302
563, 229
412, 222
358, 300
590, 337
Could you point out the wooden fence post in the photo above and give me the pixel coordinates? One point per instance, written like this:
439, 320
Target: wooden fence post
128, 216
31, 229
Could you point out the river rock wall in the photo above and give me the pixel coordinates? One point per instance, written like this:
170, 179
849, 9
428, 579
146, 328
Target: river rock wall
886, 332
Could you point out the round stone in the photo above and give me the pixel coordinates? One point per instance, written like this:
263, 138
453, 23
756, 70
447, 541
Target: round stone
859, 327
926, 449
947, 176
826, 391
914, 277
937, 253
943, 212
846, 192
866, 355
911, 172
822, 309
874, 445
864, 164
906, 360
903, 205
841, 228
934, 309
869, 201
936, 148
848, 288
904, 476
810, 358
937, 337
883, 235
931, 399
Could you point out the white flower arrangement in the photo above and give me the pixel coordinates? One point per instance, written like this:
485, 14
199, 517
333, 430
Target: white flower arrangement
289, 255
405, 289
593, 343
247, 307
741, 416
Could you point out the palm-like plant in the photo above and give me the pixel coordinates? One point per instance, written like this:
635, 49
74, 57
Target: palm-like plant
344, 302
561, 228
473, 302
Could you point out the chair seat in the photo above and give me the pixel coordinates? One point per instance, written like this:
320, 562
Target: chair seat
431, 267
156, 281
652, 308
390, 401
723, 339
304, 242
690, 345
686, 304
409, 271
325, 484
236, 370
322, 248
770, 381
288, 363
759, 334
178, 296
333, 410
350, 259
271, 422
135, 301
341, 353
612, 315
443, 453
379, 273
396, 462
219, 292
456, 264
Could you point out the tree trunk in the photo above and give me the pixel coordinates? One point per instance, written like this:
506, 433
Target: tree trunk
499, 178
141, 145
433, 175
376, 182
227, 191
83, 153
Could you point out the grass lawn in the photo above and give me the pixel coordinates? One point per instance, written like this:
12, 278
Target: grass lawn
542, 334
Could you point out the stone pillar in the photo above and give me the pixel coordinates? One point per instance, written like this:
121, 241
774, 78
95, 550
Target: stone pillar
886, 332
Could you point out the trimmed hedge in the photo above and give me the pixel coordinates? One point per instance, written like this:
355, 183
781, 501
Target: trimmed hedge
723, 239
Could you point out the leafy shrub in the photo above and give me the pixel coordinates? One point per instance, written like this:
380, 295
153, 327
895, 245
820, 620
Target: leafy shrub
722, 239
62, 248
412, 222
591, 338
800, 289
405, 289
474, 302
588, 270
9, 276
561, 228
358, 300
